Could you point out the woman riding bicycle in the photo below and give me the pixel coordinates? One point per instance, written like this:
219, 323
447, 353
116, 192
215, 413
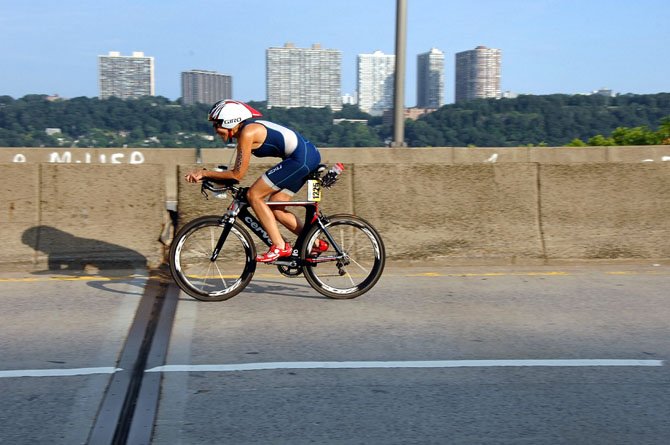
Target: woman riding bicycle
236, 120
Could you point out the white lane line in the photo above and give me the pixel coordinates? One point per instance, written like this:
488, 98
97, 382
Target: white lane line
57, 372
403, 364
338, 365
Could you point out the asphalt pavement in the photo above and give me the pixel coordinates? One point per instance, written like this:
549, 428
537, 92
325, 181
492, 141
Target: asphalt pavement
544, 354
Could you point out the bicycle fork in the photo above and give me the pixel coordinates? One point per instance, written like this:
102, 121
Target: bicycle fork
222, 239
228, 219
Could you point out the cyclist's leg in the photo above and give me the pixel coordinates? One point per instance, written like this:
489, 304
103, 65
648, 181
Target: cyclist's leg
257, 195
287, 218
287, 178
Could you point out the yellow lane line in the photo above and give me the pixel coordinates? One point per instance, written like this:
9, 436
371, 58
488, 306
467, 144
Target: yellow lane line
489, 274
77, 278
278, 276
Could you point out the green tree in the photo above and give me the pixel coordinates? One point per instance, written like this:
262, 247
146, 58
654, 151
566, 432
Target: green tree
577, 143
634, 136
553, 119
663, 132
601, 141
423, 135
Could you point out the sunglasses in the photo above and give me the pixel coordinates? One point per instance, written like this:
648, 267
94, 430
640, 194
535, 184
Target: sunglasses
216, 123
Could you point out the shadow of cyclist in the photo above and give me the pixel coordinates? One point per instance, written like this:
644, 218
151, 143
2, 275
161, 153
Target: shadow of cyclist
68, 254
289, 287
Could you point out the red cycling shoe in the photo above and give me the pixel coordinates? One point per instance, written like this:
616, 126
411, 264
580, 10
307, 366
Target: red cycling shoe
320, 247
274, 253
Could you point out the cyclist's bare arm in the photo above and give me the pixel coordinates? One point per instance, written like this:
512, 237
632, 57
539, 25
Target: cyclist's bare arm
251, 137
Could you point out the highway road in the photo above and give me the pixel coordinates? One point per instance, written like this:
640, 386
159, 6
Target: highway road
574, 354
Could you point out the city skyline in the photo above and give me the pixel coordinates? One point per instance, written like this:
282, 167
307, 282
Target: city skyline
549, 46
296, 77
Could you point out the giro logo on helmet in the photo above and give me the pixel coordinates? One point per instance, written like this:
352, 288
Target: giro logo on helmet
231, 121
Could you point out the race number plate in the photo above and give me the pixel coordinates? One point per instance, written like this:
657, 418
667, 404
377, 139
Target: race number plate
313, 190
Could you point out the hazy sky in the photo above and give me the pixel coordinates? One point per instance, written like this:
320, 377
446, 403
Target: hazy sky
548, 46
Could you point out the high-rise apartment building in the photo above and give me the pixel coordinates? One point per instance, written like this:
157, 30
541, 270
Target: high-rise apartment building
208, 87
376, 78
478, 74
430, 79
304, 77
125, 77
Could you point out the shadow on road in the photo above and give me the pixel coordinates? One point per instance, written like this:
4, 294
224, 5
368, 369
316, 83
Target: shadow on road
68, 253
284, 287
74, 256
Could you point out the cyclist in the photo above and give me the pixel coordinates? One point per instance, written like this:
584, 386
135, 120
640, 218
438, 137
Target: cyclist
237, 120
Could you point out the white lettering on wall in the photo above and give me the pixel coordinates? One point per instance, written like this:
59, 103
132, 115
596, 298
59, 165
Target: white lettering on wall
65, 159
68, 157
136, 157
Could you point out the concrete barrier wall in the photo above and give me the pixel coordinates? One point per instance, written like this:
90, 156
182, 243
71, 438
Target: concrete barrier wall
497, 213
67, 217
439, 211
453, 205
167, 157
19, 197
600, 211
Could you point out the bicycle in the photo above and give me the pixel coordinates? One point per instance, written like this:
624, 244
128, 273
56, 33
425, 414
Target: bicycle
213, 258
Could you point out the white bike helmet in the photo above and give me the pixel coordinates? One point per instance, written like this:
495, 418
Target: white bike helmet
229, 113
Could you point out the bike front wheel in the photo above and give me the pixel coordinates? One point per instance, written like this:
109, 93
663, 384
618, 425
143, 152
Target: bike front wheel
193, 268
355, 268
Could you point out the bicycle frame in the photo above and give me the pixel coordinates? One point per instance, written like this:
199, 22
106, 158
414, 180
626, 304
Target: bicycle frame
239, 209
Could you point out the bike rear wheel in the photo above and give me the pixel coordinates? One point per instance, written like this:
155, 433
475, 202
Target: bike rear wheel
354, 272
193, 269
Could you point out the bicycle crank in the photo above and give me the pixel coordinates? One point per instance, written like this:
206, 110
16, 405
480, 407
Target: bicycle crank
289, 271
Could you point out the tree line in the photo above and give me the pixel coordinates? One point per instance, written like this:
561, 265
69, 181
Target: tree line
550, 120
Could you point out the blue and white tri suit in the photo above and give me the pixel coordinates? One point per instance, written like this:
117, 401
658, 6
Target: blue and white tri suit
299, 157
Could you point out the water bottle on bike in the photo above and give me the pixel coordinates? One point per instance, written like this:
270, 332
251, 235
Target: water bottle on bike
330, 178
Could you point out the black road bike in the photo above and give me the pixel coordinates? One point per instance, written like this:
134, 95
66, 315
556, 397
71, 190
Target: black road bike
213, 258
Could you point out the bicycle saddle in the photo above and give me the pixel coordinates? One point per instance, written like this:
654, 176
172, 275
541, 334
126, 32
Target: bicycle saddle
316, 173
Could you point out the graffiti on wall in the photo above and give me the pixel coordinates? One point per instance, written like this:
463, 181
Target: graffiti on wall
66, 157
